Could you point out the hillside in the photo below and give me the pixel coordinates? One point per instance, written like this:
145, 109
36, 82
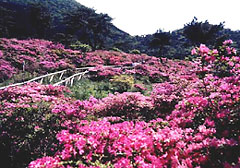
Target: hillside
68, 22
78, 92
157, 113
62, 21
41, 56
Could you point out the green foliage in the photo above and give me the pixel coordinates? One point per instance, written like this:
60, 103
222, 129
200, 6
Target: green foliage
202, 32
116, 49
20, 77
28, 133
159, 40
135, 51
87, 26
82, 47
122, 83
100, 89
19, 20
86, 88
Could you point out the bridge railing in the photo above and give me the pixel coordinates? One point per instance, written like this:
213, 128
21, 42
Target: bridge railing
61, 78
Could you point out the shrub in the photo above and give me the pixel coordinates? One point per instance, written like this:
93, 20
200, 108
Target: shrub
82, 47
6, 70
100, 73
28, 133
86, 88
135, 51
116, 49
122, 83
129, 106
132, 144
165, 96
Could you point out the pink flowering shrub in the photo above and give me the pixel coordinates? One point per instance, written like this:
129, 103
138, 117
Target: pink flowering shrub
6, 70
113, 58
140, 144
46, 162
222, 62
190, 119
127, 105
99, 73
165, 96
36, 55
139, 87
28, 133
153, 72
30, 118
41, 56
215, 104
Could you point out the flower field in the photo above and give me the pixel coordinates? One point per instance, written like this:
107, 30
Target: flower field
189, 117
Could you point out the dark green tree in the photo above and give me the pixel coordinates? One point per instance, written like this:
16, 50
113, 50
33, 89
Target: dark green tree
40, 20
23, 21
159, 40
202, 32
100, 28
7, 21
88, 27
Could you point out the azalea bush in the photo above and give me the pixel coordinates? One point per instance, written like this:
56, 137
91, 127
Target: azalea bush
30, 118
35, 55
128, 105
27, 125
129, 144
99, 73
152, 72
41, 57
190, 118
6, 70
165, 96
28, 133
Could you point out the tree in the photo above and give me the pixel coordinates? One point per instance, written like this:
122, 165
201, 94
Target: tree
7, 21
39, 19
100, 27
24, 21
88, 27
202, 32
159, 40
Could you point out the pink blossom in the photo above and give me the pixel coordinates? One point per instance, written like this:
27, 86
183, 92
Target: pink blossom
194, 51
203, 49
226, 42
215, 51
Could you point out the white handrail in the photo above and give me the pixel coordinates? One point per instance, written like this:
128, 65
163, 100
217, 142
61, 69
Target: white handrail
71, 78
62, 72
34, 79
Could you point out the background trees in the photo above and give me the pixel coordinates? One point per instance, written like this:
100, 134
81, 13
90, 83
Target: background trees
159, 40
88, 27
202, 32
24, 21
69, 22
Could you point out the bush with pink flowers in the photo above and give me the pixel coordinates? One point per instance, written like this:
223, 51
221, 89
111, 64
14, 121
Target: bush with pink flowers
140, 144
6, 70
30, 118
190, 119
35, 55
128, 105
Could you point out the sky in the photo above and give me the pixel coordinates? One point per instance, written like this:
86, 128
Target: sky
141, 17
